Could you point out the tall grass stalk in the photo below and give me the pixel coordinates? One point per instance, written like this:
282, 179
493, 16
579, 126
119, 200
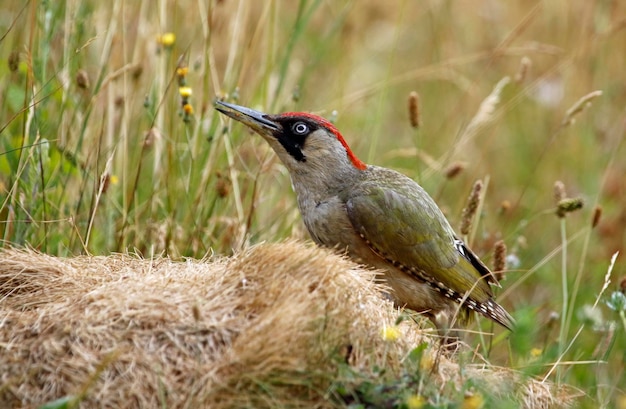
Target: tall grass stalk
376, 120
607, 280
303, 17
564, 293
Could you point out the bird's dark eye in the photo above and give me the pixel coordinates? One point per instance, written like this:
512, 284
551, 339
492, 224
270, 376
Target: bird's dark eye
300, 128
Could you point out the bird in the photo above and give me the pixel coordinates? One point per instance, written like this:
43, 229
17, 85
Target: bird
380, 218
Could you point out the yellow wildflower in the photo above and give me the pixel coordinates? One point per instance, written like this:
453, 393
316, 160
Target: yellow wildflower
167, 39
185, 92
473, 401
415, 402
390, 334
427, 362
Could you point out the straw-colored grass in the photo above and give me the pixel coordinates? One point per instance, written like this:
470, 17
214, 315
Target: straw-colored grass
278, 325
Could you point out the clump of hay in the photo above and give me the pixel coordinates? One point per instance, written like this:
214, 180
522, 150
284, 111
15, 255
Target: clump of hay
266, 328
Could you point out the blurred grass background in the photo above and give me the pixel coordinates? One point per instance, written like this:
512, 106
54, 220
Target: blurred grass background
97, 154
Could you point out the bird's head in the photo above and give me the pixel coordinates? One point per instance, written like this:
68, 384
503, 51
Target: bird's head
307, 144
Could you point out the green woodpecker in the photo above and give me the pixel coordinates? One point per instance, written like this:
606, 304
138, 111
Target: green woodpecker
379, 216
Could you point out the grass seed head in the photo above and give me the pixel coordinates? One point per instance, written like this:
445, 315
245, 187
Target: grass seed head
14, 60
499, 260
559, 191
414, 111
578, 107
82, 79
597, 215
470, 209
454, 170
524, 68
569, 205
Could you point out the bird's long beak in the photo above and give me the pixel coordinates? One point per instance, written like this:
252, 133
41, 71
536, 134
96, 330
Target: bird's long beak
256, 120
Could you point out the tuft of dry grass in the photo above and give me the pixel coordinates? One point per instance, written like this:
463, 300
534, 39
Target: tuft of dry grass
268, 327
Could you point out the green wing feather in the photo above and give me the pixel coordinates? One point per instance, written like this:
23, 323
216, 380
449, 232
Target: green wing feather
402, 223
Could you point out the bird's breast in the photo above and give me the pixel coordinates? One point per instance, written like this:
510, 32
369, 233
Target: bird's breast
327, 221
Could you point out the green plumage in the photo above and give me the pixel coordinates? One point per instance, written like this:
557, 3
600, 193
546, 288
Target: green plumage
422, 237
403, 224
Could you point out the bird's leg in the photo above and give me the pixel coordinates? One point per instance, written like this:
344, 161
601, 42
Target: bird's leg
449, 335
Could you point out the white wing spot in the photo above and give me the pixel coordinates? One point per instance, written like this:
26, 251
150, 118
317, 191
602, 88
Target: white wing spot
460, 247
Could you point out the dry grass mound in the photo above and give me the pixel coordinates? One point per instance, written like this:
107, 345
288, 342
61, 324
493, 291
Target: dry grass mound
274, 326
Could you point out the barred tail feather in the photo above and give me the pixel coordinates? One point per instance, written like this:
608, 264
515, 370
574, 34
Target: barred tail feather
494, 311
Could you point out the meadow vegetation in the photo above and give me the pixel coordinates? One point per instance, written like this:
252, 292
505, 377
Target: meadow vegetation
109, 142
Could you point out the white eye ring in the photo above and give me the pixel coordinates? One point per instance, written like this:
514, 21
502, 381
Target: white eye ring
300, 128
